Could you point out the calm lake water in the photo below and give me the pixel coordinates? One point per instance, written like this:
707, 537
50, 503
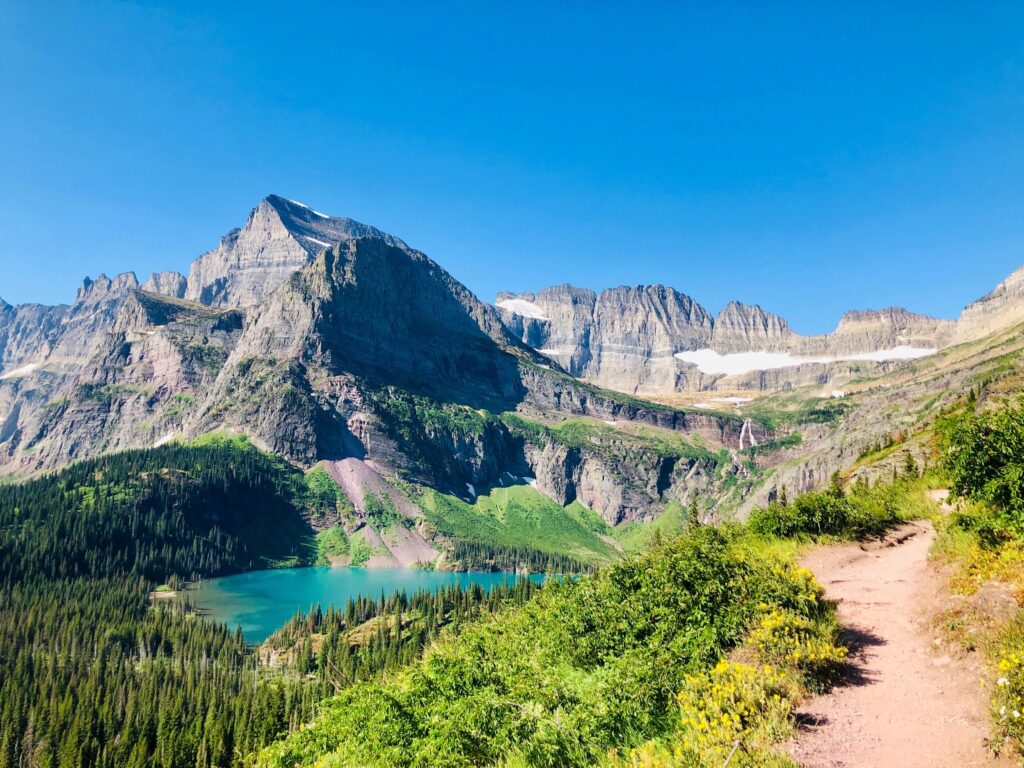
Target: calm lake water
261, 601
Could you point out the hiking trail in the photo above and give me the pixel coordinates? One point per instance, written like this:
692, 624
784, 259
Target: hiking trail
911, 700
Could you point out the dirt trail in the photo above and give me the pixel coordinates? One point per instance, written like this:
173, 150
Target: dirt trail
909, 701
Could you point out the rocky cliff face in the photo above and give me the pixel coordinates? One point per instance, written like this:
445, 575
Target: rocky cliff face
325, 339
864, 331
629, 339
366, 350
745, 327
280, 237
1002, 308
624, 335
171, 284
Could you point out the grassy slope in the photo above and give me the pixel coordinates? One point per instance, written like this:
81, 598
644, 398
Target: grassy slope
519, 516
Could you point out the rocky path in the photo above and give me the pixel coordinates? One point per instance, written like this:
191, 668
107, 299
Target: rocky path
909, 702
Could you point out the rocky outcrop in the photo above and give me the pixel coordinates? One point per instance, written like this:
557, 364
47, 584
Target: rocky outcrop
744, 327
999, 309
624, 335
397, 545
629, 339
365, 349
870, 330
280, 237
150, 368
171, 284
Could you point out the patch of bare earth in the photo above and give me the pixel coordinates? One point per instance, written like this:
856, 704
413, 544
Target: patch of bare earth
908, 700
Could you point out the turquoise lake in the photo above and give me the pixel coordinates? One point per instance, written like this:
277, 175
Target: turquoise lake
261, 601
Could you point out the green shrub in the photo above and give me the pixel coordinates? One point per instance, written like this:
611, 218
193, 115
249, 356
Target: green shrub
587, 665
857, 513
984, 458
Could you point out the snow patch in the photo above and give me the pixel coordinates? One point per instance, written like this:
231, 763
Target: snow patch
318, 242
23, 371
471, 489
736, 363
838, 394
165, 439
551, 351
531, 481
702, 406
902, 352
303, 205
522, 307
732, 400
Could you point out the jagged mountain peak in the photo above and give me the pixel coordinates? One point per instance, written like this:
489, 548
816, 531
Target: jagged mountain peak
736, 310
103, 286
171, 284
314, 228
884, 315
1002, 307
280, 237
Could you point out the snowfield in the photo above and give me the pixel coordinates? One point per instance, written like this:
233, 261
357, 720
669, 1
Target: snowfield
735, 363
902, 352
523, 307
165, 439
23, 371
303, 205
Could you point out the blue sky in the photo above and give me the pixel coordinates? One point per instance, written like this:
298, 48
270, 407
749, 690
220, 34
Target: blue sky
810, 157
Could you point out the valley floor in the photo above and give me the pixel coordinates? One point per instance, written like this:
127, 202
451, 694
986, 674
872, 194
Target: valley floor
910, 701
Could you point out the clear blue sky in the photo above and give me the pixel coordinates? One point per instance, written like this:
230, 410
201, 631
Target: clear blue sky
811, 157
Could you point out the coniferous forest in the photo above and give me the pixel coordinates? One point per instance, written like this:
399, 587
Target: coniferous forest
98, 673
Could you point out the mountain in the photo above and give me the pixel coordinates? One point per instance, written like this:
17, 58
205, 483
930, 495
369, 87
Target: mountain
280, 236
364, 350
171, 284
998, 309
326, 341
655, 340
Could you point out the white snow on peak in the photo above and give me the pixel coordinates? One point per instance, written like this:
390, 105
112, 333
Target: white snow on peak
902, 352
522, 307
303, 205
23, 371
318, 242
735, 363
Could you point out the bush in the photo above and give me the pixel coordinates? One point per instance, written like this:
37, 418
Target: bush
785, 637
853, 514
587, 665
984, 457
731, 703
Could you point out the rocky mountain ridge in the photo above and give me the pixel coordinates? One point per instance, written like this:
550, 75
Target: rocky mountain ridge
368, 350
323, 339
642, 339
